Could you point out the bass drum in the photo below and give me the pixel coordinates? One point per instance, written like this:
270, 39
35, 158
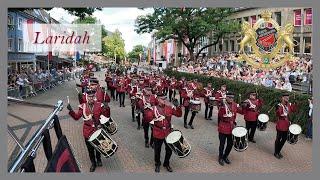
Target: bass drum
240, 138
108, 124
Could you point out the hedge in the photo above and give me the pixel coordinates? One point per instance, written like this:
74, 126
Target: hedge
270, 96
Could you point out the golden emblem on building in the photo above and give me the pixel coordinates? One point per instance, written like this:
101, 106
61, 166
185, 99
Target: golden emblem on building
266, 39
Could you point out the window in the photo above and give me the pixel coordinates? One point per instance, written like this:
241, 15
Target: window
20, 45
308, 17
10, 20
297, 48
20, 21
232, 45
278, 17
297, 17
227, 45
253, 20
246, 19
307, 44
10, 44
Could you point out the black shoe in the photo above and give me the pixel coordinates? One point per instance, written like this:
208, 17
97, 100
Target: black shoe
185, 126
157, 170
280, 155
99, 163
133, 120
253, 141
191, 126
205, 118
277, 156
210, 119
138, 128
123, 106
92, 168
221, 162
227, 160
168, 168
147, 145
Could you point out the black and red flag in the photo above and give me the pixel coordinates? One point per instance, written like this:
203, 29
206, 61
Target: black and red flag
63, 159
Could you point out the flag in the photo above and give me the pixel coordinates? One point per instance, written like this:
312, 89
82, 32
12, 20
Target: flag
63, 159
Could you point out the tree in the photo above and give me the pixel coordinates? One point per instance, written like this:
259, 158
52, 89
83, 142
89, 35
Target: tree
188, 25
134, 54
114, 45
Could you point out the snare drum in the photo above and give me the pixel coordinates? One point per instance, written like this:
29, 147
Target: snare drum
178, 144
240, 138
212, 101
102, 142
293, 134
195, 105
108, 124
263, 120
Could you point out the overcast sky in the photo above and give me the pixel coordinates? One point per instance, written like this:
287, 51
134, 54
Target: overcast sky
114, 18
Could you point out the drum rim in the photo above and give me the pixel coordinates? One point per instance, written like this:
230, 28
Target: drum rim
238, 128
104, 119
295, 126
95, 132
175, 131
263, 115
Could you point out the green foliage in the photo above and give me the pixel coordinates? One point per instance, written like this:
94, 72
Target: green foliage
114, 44
270, 96
134, 54
82, 12
188, 25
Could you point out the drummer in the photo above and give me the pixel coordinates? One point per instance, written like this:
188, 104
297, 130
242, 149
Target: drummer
283, 110
132, 90
207, 93
190, 94
101, 94
90, 111
227, 114
162, 127
147, 118
251, 109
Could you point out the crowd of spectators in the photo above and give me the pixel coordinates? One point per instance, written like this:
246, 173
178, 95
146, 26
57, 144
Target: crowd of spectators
227, 66
28, 82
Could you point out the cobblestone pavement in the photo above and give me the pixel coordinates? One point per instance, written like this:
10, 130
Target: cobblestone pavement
133, 157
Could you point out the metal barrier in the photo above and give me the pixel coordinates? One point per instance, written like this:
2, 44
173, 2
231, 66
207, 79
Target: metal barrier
35, 141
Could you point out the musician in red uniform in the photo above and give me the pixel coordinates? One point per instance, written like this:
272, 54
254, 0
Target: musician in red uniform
121, 90
251, 110
148, 116
172, 88
181, 86
113, 86
207, 93
101, 94
90, 111
162, 127
219, 95
132, 89
140, 101
189, 95
84, 82
282, 112
227, 113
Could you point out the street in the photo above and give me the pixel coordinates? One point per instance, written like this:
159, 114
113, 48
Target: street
133, 157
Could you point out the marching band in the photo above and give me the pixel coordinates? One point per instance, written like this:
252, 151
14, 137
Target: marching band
151, 109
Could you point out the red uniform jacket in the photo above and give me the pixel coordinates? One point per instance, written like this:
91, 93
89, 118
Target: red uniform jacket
162, 128
153, 100
282, 115
204, 92
90, 124
226, 124
132, 90
186, 98
219, 95
147, 115
121, 86
139, 104
251, 114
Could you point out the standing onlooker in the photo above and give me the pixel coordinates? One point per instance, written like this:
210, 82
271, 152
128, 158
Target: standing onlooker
309, 124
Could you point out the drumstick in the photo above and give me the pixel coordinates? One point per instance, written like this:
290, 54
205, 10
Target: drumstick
68, 100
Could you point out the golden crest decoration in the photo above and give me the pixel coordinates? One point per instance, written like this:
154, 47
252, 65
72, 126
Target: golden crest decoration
266, 39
